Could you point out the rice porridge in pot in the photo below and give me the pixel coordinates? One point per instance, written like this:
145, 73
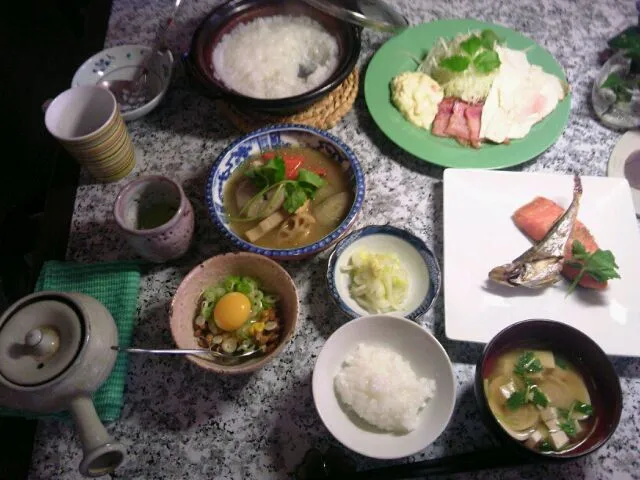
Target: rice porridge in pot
276, 57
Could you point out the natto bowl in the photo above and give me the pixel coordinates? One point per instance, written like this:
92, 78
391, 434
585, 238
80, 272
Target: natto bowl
579, 350
225, 17
273, 278
285, 135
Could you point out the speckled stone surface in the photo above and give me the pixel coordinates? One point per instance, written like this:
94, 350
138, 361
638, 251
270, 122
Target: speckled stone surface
181, 422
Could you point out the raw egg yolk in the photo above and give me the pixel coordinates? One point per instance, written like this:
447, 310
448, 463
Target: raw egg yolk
231, 311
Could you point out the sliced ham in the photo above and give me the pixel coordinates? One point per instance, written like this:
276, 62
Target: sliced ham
473, 114
536, 218
440, 123
457, 127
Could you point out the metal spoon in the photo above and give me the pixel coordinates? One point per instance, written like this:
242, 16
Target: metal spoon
187, 351
136, 91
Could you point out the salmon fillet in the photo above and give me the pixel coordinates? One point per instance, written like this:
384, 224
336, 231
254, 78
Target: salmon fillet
537, 217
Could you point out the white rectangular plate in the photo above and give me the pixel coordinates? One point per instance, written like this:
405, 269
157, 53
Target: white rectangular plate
479, 235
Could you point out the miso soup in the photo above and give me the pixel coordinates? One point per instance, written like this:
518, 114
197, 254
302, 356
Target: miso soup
540, 399
287, 198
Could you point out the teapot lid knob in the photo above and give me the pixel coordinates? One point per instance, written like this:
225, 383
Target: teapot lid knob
42, 341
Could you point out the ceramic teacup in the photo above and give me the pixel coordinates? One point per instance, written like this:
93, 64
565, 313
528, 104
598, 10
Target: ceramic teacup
86, 120
156, 217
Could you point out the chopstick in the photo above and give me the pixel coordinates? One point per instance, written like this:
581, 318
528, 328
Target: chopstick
465, 462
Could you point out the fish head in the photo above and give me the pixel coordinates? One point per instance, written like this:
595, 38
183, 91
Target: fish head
531, 274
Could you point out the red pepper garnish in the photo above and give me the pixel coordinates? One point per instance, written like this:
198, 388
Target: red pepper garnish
291, 165
268, 155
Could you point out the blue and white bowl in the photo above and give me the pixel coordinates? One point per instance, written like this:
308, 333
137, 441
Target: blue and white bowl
285, 135
122, 63
425, 277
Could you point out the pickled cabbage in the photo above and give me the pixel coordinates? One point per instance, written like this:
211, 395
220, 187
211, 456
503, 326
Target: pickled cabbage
379, 282
469, 85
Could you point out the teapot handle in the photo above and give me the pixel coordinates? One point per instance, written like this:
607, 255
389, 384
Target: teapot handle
101, 454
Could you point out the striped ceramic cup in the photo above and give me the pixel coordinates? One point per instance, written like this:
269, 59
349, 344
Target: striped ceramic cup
86, 121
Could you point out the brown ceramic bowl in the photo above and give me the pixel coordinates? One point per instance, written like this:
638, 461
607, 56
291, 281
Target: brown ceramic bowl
581, 351
228, 15
274, 279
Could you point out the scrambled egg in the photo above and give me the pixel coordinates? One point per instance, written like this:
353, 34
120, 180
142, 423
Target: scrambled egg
416, 95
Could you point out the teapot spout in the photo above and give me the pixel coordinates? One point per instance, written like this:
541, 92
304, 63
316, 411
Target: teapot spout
101, 454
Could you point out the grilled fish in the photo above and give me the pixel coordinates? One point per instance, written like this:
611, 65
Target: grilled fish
540, 266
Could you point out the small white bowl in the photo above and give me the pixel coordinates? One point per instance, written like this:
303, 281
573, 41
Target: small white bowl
427, 359
422, 267
121, 63
628, 143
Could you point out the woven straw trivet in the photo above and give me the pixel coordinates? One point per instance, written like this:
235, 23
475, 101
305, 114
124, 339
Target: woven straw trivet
324, 114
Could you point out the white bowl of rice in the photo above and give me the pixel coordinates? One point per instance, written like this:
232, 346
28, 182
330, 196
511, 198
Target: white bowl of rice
384, 386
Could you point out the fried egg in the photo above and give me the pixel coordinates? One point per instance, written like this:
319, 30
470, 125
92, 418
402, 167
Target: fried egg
521, 95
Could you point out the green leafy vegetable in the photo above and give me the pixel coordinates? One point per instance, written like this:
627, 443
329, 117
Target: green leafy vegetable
583, 408
455, 63
295, 198
489, 39
310, 182
268, 174
471, 45
486, 61
539, 398
527, 363
561, 362
568, 427
600, 265
545, 446
621, 87
516, 400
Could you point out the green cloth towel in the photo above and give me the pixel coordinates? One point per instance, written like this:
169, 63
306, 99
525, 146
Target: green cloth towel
116, 285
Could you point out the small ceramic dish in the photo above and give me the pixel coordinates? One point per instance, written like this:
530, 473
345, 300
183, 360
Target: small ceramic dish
121, 63
427, 358
624, 162
284, 135
274, 280
581, 352
421, 264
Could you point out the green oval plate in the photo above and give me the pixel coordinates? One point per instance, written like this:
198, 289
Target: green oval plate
395, 57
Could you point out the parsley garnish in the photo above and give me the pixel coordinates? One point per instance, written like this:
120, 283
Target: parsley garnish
561, 362
539, 398
527, 363
600, 265
516, 400
568, 427
583, 408
545, 446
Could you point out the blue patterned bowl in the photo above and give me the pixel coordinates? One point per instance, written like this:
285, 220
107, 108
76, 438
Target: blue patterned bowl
421, 264
285, 135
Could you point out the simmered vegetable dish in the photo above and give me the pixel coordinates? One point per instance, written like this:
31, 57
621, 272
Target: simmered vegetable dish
287, 198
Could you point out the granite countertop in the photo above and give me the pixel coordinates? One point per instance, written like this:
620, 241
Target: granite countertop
179, 421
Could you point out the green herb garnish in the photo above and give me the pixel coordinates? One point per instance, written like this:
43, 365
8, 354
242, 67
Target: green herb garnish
486, 62
621, 87
527, 363
561, 362
600, 265
471, 45
455, 63
545, 446
271, 175
568, 427
539, 398
477, 51
516, 400
583, 408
